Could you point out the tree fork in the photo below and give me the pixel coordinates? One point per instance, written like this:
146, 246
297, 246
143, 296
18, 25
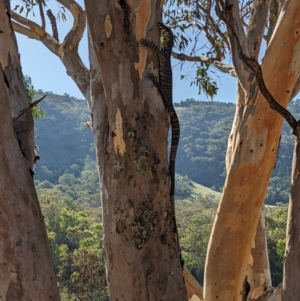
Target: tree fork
290, 287
254, 155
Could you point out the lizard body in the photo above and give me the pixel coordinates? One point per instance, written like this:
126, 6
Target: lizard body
164, 86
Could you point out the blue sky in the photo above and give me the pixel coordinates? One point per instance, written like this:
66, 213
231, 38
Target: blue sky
49, 74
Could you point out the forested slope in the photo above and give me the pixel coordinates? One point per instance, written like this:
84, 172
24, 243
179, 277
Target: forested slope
62, 137
64, 141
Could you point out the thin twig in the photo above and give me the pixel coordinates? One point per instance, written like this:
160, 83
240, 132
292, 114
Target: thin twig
207, 60
42, 13
30, 107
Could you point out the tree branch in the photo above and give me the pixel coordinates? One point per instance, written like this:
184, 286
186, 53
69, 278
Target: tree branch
67, 51
35, 31
273, 16
225, 68
207, 60
228, 11
30, 107
41, 9
253, 65
210, 26
212, 22
188, 58
277, 10
25, 31
74, 36
53, 24
256, 26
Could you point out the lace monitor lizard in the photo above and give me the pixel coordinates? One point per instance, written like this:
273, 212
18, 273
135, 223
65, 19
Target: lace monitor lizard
164, 86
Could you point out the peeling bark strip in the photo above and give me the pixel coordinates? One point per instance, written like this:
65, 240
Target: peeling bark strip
131, 139
119, 143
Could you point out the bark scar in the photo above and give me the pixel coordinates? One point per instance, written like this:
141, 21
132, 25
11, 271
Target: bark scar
107, 26
119, 143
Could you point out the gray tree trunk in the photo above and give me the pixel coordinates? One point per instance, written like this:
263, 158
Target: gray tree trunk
128, 122
291, 271
26, 267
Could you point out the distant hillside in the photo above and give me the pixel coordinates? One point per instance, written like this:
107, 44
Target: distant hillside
65, 140
205, 127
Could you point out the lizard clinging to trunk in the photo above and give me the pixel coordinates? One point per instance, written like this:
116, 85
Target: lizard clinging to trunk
164, 86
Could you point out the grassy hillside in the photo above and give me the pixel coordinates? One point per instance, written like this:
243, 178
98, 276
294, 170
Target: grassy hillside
205, 192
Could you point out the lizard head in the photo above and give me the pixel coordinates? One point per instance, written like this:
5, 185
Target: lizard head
167, 35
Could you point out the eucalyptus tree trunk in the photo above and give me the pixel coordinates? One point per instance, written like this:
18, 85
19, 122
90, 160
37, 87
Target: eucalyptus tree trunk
291, 271
26, 271
253, 156
238, 117
140, 240
258, 271
9, 59
258, 277
194, 290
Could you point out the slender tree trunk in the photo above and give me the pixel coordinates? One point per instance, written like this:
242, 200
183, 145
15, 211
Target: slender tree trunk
9, 59
291, 271
258, 271
238, 117
140, 241
26, 271
252, 164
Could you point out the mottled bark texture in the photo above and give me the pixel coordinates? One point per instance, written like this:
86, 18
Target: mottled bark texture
130, 130
252, 159
26, 267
